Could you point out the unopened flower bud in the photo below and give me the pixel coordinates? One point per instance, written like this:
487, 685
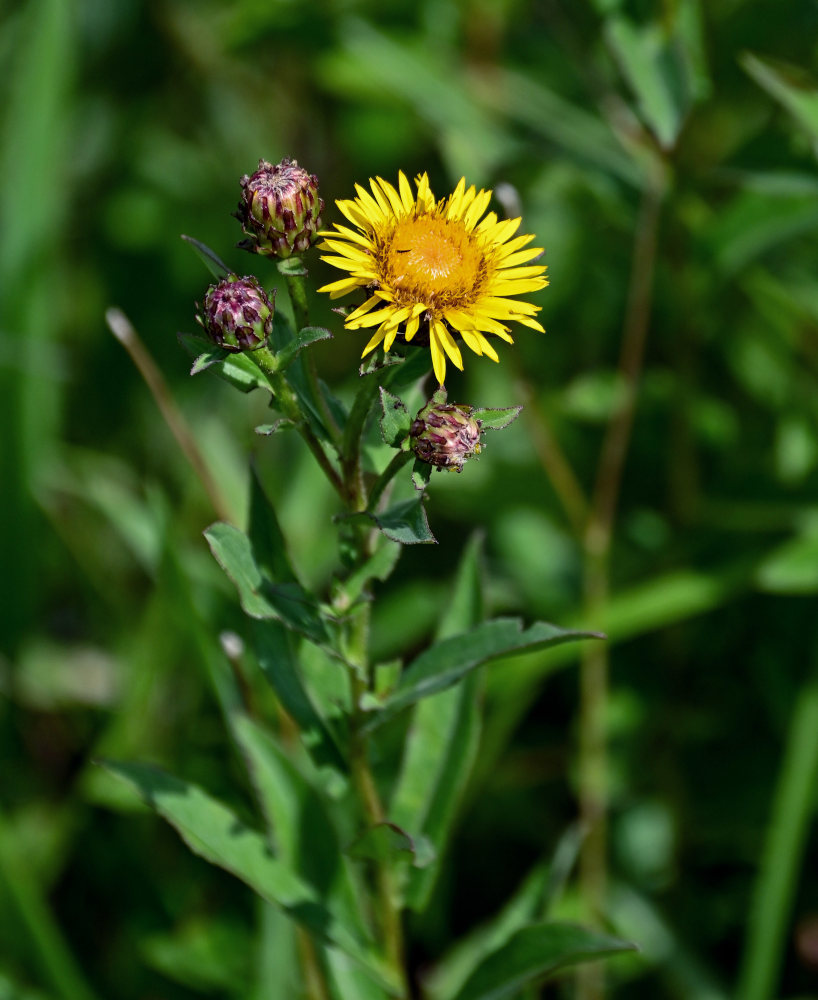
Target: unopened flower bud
237, 314
280, 210
445, 435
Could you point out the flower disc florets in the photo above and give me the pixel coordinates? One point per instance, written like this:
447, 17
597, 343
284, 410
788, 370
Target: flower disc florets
237, 314
433, 269
280, 209
445, 435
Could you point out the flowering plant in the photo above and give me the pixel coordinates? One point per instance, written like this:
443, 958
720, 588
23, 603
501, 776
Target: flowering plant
345, 842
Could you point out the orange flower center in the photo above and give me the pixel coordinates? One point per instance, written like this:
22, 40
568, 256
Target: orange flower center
433, 260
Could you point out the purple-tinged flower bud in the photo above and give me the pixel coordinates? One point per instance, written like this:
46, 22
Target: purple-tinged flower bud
445, 435
237, 314
280, 210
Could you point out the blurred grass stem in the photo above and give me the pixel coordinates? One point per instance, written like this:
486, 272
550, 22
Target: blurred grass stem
597, 541
123, 330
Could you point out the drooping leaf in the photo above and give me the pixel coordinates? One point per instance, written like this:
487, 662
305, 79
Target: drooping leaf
260, 596
395, 420
210, 258
235, 368
532, 955
445, 663
215, 833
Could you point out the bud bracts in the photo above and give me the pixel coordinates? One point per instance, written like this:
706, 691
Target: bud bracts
280, 210
445, 435
237, 314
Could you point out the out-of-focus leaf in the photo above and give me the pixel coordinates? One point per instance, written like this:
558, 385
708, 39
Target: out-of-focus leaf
278, 974
261, 597
206, 955
348, 980
395, 420
755, 222
792, 568
792, 812
382, 843
209, 258
215, 833
273, 647
646, 60
442, 740
790, 85
532, 954
445, 663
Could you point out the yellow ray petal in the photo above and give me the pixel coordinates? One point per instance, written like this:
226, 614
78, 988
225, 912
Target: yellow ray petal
394, 198
338, 288
438, 357
447, 341
476, 209
488, 350
370, 319
377, 337
520, 257
406, 195
371, 302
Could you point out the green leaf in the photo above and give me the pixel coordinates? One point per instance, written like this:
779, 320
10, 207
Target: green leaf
445, 663
405, 522
210, 258
790, 85
421, 474
533, 954
299, 822
266, 537
378, 567
647, 61
235, 368
382, 843
261, 597
442, 740
215, 833
395, 420
496, 419
212, 356
303, 338
273, 647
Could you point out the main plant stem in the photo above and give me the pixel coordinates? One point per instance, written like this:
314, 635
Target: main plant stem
597, 540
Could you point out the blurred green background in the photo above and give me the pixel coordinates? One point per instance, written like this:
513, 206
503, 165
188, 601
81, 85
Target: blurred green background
123, 125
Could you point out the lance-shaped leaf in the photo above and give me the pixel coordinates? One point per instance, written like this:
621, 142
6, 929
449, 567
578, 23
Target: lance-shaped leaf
533, 954
302, 832
445, 663
395, 420
211, 260
303, 338
235, 368
442, 740
215, 833
792, 86
261, 597
273, 647
495, 419
266, 536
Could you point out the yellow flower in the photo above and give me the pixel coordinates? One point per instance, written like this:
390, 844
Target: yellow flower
432, 266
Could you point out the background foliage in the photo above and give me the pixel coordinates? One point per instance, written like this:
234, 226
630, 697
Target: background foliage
124, 125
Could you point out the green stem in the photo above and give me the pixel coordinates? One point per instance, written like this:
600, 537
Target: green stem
399, 459
297, 290
351, 445
288, 404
